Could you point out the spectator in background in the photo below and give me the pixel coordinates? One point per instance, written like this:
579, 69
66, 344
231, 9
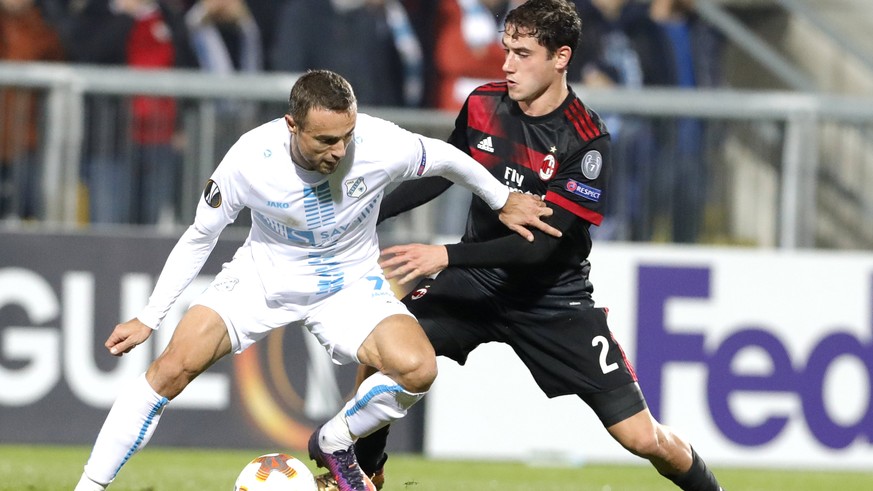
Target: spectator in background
225, 36
422, 16
226, 39
622, 47
264, 12
24, 36
694, 60
132, 162
466, 52
369, 42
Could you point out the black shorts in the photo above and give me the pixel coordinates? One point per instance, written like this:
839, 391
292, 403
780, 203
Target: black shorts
567, 346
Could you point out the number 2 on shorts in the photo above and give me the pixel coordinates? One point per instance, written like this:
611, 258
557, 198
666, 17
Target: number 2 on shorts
604, 349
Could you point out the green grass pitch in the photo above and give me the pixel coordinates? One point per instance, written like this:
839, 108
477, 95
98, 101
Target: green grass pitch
50, 468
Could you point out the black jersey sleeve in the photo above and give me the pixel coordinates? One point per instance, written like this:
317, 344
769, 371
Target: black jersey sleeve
458, 137
514, 250
411, 194
582, 181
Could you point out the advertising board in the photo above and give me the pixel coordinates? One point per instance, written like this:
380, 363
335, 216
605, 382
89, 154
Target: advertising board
758, 357
60, 297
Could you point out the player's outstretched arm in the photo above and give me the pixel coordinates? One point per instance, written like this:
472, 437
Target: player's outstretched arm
522, 211
126, 336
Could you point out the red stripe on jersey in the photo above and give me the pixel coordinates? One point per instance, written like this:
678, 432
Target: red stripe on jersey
585, 117
594, 127
529, 157
479, 117
488, 160
579, 127
481, 108
492, 87
574, 208
578, 115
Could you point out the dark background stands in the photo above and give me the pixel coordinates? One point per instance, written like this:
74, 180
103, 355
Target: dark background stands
355, 38
131, 154
25, 35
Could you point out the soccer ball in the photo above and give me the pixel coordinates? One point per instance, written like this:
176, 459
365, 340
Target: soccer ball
275, 472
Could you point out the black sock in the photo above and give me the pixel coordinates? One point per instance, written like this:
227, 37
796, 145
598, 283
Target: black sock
370, 450
698, 477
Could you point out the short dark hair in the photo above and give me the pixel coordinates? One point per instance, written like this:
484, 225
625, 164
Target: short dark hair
554, 23
320, 89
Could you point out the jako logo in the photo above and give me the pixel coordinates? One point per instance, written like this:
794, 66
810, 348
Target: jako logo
276, 204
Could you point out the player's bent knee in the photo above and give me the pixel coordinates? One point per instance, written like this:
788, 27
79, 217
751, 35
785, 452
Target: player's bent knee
169, 377
162, 381
418, 374
426, 376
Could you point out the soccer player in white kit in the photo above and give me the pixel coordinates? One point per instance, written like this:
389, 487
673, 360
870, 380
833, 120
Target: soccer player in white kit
314, 181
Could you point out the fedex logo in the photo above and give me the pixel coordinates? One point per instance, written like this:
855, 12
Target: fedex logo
802, 376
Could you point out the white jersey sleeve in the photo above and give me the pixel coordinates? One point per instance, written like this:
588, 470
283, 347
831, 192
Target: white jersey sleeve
219, 206
448, 161
432, 157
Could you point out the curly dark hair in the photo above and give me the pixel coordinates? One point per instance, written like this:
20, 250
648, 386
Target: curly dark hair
554, 23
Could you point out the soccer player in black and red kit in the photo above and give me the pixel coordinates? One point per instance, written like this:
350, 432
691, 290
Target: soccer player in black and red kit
534, 134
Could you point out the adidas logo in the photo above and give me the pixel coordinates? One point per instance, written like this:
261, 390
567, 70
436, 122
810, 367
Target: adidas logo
486, 145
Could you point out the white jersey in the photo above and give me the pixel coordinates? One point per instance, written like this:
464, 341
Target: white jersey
311, 233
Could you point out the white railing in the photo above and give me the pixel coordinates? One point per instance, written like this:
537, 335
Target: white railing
797, 128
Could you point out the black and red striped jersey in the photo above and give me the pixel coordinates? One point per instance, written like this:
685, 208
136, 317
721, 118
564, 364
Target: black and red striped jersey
562, 156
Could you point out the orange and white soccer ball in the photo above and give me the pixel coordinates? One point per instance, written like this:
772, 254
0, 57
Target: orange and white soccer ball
275, 472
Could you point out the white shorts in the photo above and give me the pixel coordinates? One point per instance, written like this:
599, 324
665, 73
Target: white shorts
340, 321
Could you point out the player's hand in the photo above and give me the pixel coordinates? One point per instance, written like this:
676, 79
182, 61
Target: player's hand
411, 261
126, 336
524, 210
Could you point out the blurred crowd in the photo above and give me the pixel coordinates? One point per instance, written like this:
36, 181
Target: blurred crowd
398, 53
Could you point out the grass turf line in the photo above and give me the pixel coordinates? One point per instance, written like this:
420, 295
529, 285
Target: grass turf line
51, 468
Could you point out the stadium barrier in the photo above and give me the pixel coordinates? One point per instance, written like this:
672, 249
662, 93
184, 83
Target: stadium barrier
778, 169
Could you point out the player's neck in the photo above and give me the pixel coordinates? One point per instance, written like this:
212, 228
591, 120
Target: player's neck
297, 157
546, 102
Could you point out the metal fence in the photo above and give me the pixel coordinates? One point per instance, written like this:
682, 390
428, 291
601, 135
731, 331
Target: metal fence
113, 147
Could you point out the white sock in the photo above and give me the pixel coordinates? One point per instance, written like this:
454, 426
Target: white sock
378, 402
86, 484
127, 429
335, 434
